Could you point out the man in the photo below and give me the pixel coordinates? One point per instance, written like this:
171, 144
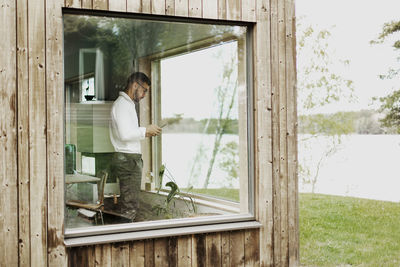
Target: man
125, 135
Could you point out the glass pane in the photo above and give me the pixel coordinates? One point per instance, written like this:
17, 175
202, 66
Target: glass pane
156, 120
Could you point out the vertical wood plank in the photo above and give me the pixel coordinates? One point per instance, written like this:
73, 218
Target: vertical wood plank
170, 7
195, 8
284, 233
103, 255
89, 254
264, 131
251, 248
146, 6
37, 132
161, 252
248, 10
225, 249
120, 254
23, 132
117, 5
158, 7
182, 8
134, 6
100, 4
237, 248
213, 249
137, 256
172, 251
293, 202
198, 250
149, 252
210, 9
233, 9
275, 132
222, 9
87, 4
55, 133
73, 3
8, 137
184, 251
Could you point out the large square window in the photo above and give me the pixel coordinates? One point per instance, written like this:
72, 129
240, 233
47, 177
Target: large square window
199, 168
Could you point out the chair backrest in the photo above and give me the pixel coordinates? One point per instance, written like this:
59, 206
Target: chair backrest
102, 184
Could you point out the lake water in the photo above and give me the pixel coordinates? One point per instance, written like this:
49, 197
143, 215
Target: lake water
365, 166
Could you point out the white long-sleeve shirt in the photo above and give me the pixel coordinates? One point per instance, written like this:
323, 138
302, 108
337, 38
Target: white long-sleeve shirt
125, 133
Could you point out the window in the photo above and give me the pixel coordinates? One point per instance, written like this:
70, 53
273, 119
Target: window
200, 166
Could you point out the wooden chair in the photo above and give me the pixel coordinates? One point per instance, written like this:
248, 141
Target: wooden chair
97, 207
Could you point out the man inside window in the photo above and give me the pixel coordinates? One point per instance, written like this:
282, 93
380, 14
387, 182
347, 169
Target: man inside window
125, 135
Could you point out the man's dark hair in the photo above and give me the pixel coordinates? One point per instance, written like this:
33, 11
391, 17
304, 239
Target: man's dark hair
137, 77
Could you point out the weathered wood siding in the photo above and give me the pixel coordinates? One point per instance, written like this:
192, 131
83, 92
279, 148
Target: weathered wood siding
31, 141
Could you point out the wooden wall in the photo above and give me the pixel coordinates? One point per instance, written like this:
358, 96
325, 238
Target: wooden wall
31, 141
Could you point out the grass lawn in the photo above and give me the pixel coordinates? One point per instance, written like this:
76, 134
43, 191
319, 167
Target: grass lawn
348, 231
337, 231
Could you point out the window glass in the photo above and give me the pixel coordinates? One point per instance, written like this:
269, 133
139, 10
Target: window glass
156, 121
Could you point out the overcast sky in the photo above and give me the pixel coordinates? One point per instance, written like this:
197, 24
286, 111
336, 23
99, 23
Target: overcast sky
355, 23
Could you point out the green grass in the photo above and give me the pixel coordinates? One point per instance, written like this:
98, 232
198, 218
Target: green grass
224, 193
348, 231
338, 231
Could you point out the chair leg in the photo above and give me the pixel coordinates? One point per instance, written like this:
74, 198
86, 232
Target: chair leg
101, 216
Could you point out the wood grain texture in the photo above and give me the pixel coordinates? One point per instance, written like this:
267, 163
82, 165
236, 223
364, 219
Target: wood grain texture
195, 8
158, 7
8, 137
198, 250
149, 252
236, 248
103, 255
172, 251
233, 10
120, 254
117, 5
293, 201
161, 252
87, 4
213, 249
37, 132
72, 3
100, 4
184, 251
264, 131
136, 255
134, 6
182, 8
225, 249
251, 248
146, 6
277, 215
23, 133
248, 10
210, 9
170, 7
222, 9
55, 133
283, 205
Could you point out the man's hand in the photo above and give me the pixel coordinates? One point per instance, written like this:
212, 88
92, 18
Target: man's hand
152, 130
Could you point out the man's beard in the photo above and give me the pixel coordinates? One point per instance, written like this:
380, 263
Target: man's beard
136, 96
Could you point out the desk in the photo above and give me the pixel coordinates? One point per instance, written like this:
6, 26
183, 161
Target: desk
80, 178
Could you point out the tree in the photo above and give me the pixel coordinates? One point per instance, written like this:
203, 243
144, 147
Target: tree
390, 104
320, 83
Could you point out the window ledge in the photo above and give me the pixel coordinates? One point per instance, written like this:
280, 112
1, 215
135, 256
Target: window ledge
159, 233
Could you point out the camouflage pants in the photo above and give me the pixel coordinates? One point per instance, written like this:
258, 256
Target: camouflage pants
128, 169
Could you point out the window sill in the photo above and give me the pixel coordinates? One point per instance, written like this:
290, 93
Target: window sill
158, 233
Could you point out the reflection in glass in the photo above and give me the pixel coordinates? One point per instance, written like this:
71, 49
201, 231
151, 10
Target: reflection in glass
198, 166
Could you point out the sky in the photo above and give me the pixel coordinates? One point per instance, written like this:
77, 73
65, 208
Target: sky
353, 24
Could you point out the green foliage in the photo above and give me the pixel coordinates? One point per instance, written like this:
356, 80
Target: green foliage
327, 124
344, 231
230, 160
390, 104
